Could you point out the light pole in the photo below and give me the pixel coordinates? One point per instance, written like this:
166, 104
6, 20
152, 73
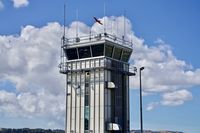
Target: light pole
141, 119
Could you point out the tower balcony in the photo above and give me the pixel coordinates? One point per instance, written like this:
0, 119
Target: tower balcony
101, 62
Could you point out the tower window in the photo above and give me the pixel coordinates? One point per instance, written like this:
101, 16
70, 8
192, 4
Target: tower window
71, 54
117, 53
109, 50
84, 52
126, 56
97, 50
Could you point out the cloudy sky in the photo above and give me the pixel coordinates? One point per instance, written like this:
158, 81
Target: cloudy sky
166, 42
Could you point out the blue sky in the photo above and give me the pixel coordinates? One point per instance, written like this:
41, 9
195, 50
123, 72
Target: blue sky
174, 22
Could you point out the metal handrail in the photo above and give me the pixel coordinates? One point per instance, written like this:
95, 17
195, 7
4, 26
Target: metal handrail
98, 37
64, 67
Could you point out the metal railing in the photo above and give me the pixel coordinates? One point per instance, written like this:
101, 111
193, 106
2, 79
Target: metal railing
96, 63
97, 37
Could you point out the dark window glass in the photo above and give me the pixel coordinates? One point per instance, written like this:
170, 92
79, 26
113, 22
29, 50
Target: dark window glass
87, 90
117, 53
86, 124
84, 52
87, 112
87, 100
109, 50
97, 50
71, 54
126, 56
86, 84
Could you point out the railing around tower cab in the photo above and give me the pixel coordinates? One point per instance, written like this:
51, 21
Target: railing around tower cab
95, 63
97, 37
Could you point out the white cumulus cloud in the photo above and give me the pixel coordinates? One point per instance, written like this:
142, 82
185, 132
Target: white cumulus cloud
152, 105
173, 98
176, 97
30, 62
20, 3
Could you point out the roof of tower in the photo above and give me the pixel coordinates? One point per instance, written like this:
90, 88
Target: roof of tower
96, 39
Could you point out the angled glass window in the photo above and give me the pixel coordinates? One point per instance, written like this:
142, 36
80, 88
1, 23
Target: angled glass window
109, 50
97, 50
117, 53
84, 52
126, 55
71, 54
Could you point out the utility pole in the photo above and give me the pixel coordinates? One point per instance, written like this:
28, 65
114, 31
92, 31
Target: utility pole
141, 118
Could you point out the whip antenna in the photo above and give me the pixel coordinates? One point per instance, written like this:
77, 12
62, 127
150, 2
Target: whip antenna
77, 26
64, 22
104, 12
123, 37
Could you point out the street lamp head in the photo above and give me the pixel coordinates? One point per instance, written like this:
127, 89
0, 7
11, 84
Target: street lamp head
141, 68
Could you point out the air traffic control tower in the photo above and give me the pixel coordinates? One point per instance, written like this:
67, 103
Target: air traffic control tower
97, 83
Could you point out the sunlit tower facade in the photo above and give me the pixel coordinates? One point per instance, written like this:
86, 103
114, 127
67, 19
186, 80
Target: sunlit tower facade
97, 83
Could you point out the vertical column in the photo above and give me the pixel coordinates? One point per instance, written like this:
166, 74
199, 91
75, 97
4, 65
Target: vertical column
101, 98
96, 101
82, 101
128, 103
87, 102
73, 102
78, 97
105, 100
68, 97
92, 101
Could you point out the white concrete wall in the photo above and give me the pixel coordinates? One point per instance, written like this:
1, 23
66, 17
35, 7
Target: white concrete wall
100, 99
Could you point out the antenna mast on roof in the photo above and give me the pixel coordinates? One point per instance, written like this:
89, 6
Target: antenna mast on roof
104, 12
64, 22
77, 26
123, 37
116, 20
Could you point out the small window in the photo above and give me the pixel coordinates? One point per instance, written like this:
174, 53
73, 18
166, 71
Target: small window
86, 84
97, 50
84, 52
87, 117
86, 124
126, 56
87, 100
71, 54
109, 50
117, 53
